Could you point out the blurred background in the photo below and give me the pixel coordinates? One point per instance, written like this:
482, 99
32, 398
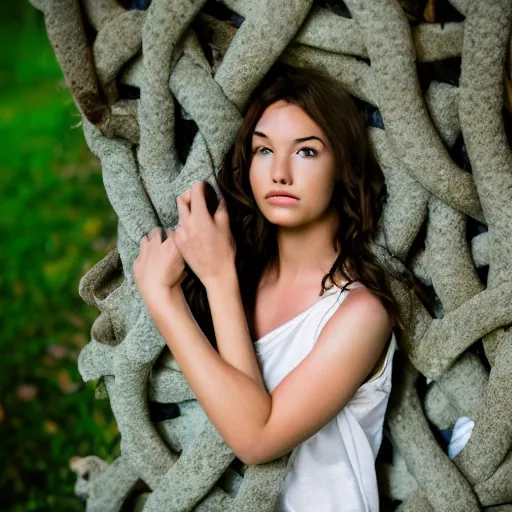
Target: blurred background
55, 224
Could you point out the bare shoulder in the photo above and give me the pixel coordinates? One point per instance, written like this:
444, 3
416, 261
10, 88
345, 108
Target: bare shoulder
362, 300
361, 316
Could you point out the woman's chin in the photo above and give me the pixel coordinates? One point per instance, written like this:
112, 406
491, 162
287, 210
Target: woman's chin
286, 223
286, 218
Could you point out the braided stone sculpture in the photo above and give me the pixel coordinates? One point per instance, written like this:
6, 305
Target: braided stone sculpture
136, 75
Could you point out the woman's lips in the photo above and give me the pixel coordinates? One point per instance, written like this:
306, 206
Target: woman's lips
282, 200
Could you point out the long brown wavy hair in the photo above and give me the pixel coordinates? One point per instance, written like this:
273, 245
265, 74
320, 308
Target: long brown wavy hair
358, 196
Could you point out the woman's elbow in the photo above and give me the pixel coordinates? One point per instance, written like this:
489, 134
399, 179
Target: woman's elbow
246, 459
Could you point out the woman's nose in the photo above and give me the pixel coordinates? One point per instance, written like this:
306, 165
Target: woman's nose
281, 171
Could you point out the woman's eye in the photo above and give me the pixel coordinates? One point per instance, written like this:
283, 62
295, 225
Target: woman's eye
263, 149
309, 149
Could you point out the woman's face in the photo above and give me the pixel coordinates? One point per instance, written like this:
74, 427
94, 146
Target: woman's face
303, 168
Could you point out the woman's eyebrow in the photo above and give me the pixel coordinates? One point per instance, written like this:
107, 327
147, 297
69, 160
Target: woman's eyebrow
296, 141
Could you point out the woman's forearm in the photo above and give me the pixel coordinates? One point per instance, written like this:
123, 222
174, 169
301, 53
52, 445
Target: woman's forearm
231, 331
237, 406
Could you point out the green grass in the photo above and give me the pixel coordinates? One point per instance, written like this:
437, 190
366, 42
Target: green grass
55, 224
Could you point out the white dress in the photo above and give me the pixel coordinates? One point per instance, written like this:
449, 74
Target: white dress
334, 470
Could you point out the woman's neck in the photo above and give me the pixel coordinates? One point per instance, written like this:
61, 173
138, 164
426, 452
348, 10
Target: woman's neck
305, 252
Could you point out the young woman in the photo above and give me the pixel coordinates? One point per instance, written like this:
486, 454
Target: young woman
275, 367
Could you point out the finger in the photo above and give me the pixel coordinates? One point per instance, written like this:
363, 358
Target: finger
183, 205
221, 216
173, 239
144, 240
155, 234
198, 202
170, 236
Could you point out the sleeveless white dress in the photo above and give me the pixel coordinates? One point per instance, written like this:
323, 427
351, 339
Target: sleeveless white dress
334, 470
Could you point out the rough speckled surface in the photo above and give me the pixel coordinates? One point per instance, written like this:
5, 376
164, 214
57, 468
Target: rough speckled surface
183, 463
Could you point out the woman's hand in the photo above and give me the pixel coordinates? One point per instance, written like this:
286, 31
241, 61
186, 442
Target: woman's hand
159, 266
205, 242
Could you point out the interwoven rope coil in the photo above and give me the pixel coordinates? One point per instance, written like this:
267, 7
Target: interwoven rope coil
184, 462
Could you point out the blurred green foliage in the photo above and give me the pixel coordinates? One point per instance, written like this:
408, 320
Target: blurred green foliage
55, 224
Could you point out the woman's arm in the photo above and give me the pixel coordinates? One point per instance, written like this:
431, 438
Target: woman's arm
260, 427
231, 331
237, 406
